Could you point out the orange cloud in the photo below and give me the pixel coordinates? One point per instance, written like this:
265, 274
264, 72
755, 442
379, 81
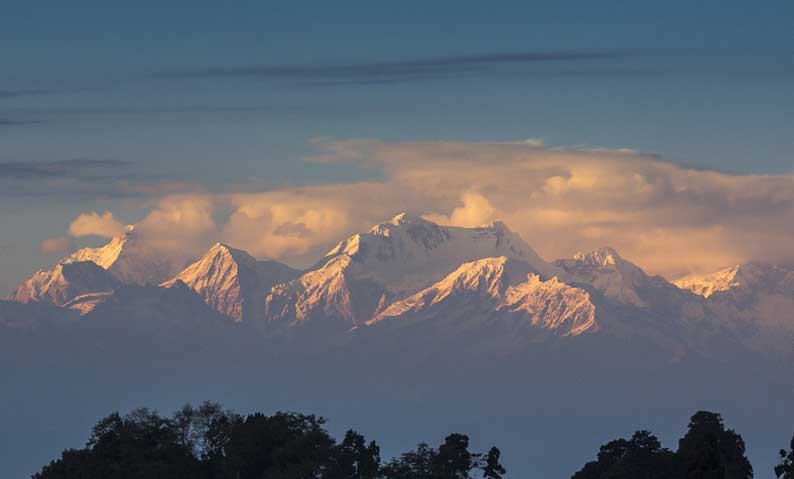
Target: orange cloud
668, 218
180, 225
94, 224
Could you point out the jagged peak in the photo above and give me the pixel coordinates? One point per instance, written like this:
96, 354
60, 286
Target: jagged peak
493, 274
604, 256
62, 282
737, 276
401, 220
409, 242
222, 249
219, 256
405, 219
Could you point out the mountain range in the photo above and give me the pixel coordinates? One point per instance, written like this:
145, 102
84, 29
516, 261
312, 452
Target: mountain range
410, 329
483, 286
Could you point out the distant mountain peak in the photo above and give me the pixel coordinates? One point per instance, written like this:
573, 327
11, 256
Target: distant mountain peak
223, 250
128, 258
738, 277
418, 229
231, 281
616, 277
393, 259
604, 256
403, 218
63, 282
493, 291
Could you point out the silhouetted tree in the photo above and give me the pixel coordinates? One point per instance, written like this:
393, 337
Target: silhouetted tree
709, 451
493, 469
453, 459
209, 442
354, 458
416, 464
785, 470
206, 430
641, 457
282, 446
139, 445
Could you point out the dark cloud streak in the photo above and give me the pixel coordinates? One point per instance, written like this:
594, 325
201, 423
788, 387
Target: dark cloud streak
84, 178
18, 93
77, 168
392, 71
11, 122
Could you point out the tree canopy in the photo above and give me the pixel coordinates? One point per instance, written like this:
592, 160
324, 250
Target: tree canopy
707, 451
210, 442
785, 470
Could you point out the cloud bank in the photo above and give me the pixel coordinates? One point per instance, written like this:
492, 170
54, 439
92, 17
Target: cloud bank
668, 218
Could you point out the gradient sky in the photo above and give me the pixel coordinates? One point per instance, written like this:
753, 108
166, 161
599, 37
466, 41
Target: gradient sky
225, 99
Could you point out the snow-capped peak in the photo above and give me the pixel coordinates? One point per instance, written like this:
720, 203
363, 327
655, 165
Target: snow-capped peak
747, 276
491, 275
226, 252
231, 281
63, 282
605, 256
407, 249
393, 260
498, 289
615, 277
129, 258
402, 218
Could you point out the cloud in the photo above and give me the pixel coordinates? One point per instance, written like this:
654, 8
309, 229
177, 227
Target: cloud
386, 72
180, 225
300, 223
58, 244
475, 211
668, 218
83, 178
79, 177
94, 224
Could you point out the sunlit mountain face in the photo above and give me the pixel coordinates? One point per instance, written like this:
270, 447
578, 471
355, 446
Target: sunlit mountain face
411, 274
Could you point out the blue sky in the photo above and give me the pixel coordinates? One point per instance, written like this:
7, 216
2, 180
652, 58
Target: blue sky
229, 96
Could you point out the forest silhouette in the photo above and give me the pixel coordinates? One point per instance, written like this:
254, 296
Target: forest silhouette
211, 442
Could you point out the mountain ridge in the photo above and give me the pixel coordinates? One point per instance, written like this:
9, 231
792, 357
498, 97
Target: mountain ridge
409, 270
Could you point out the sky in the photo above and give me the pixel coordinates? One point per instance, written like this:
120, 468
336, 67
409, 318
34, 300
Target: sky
665, 129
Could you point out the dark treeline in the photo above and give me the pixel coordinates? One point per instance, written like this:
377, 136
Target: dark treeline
210, 442
707, 451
